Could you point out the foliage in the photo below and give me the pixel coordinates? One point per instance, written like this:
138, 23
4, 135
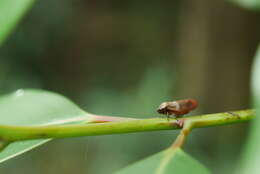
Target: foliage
37, 108
176, 160
249, 4
252, 151
11, 13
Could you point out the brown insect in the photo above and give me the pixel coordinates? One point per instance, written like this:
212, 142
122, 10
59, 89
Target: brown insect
177, 108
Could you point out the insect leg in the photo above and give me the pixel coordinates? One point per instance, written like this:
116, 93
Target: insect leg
176, 117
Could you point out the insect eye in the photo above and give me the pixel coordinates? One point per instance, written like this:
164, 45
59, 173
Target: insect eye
163, 105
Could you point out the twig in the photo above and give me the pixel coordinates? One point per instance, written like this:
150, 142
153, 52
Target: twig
187, 127
17, 133
103, 119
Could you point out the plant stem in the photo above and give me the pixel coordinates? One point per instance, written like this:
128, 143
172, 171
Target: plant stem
188, 125
16, 133
103, 119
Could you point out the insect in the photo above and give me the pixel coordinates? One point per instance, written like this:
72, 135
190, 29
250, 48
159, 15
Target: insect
177, 108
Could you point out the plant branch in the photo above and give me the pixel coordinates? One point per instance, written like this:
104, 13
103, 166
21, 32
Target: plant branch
17, 133
187, 127
103, 119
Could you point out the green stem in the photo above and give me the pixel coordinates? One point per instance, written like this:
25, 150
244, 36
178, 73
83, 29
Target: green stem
16, 133
188, 125
103, 119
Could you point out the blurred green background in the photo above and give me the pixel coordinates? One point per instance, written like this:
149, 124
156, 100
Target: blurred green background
125, 58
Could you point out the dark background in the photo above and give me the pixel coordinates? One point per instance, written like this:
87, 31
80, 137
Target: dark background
124, 58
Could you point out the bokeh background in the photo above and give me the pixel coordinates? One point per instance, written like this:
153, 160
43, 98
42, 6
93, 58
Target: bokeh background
124, 58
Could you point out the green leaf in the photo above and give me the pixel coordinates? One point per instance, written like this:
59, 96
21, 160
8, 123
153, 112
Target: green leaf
36, 107
168, 161
249, 4
251, 156
11, 11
